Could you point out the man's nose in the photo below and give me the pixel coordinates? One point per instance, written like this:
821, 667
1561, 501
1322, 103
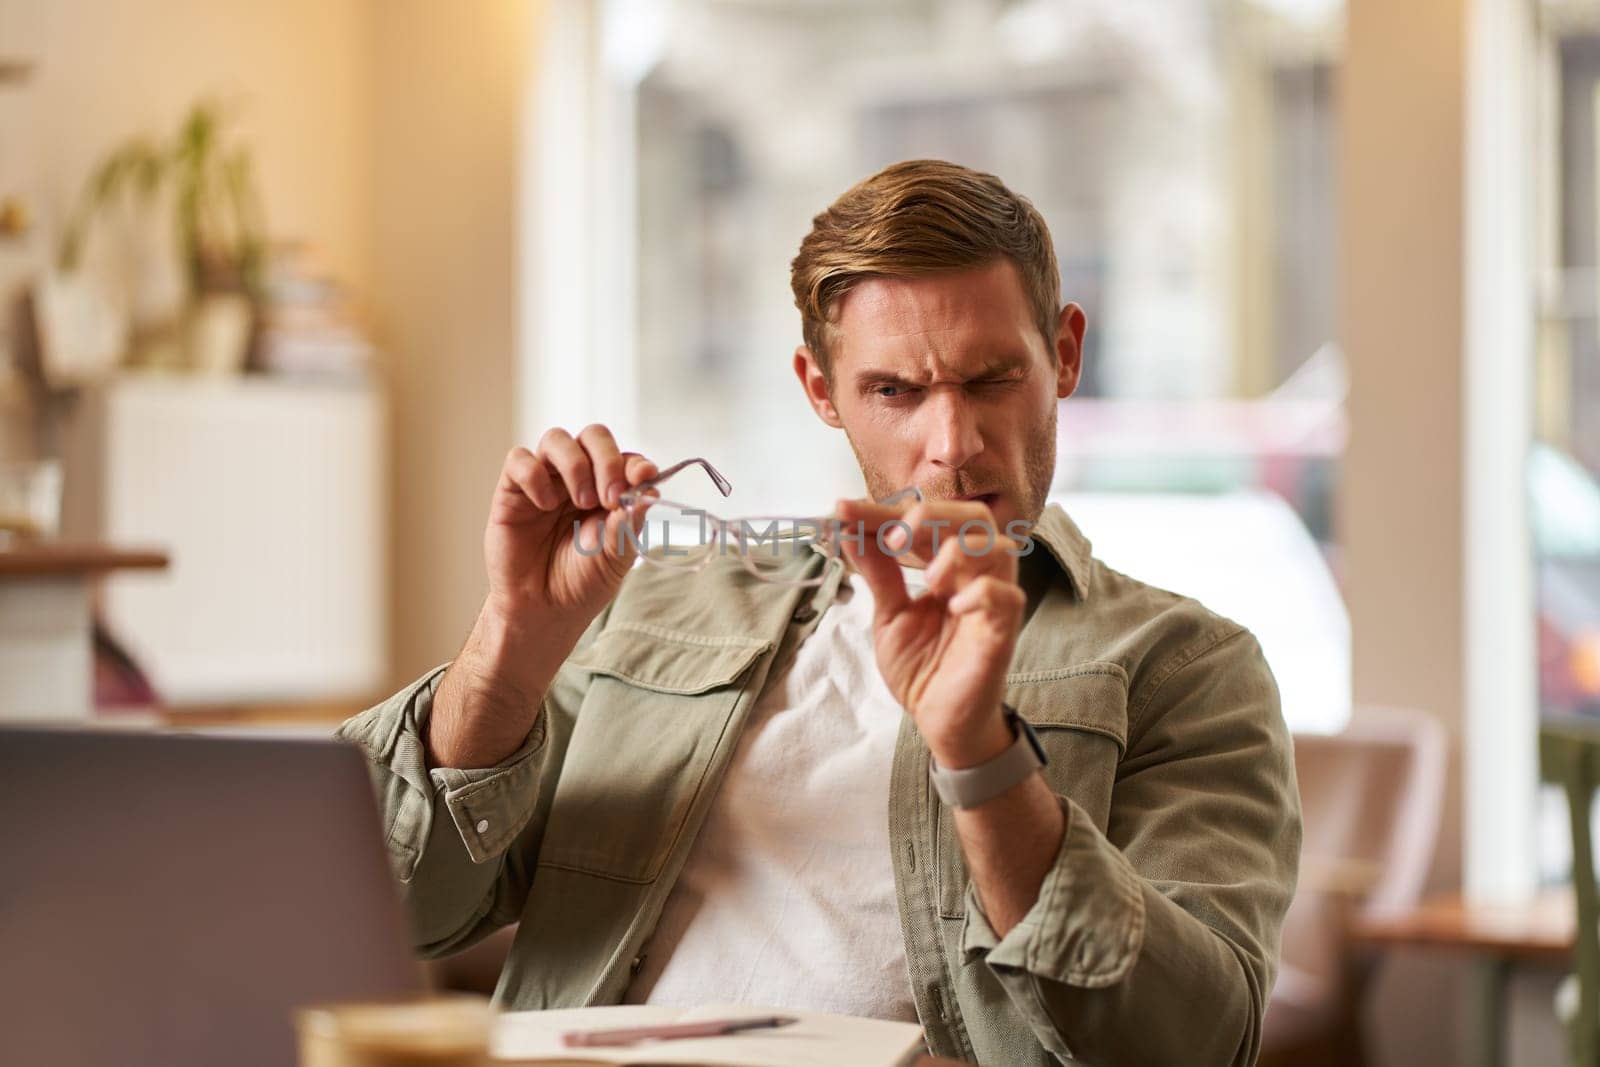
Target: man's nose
953, 438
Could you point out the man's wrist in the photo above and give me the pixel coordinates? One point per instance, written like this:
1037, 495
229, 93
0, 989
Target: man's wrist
977, 784
974, 746
517, 650
489, 699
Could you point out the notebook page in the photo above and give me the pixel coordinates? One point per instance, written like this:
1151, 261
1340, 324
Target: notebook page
536, 1035
817, 1040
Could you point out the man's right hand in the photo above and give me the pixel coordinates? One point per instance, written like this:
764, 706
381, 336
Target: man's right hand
543, 591
567, 489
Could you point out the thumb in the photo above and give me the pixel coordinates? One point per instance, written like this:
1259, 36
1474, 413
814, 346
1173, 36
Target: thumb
619, 547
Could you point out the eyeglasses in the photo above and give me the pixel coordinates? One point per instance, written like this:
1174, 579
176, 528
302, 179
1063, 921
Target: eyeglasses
683, 538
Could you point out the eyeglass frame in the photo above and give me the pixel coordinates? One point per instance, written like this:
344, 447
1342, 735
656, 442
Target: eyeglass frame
822, 526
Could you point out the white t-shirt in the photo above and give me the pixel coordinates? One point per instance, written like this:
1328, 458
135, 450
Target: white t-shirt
787, 897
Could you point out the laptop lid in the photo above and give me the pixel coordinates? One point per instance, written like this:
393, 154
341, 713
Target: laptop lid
170, 898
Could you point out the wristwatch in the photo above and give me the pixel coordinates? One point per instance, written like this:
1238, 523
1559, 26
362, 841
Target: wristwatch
971, 786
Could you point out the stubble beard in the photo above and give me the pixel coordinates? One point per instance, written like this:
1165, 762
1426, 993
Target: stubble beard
1038, 471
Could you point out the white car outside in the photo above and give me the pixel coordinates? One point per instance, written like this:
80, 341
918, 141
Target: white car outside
1245, 555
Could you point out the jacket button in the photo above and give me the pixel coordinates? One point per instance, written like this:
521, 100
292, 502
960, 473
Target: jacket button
805, 613
633, 968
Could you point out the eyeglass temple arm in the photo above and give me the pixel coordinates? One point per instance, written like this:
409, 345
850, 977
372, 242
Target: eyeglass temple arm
722, 484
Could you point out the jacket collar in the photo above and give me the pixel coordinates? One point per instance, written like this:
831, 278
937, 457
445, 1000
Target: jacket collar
1066, 545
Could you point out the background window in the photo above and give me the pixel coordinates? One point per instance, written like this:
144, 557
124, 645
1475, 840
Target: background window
1182, 153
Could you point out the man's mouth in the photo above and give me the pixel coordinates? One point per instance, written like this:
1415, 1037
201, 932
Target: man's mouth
987, 499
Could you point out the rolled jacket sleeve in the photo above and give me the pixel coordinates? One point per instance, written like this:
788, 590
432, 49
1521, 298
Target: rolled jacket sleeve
445, 828
1156, 940
1086, 927
489, 807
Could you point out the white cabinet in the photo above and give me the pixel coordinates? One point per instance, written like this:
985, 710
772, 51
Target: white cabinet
269, 497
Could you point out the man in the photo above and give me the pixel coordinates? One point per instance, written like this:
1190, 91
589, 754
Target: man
704, 787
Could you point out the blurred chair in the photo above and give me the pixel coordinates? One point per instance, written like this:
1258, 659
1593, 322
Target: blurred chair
1569, 755
1371, 799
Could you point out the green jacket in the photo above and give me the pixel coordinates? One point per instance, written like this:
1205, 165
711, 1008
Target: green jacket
1155, 936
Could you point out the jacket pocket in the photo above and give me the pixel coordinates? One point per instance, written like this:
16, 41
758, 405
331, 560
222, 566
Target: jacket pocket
657, 709
1081, 716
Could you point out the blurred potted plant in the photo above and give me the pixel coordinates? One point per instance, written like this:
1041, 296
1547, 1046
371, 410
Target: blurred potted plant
217, 221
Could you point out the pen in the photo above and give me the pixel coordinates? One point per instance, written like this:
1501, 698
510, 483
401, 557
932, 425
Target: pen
669, 1032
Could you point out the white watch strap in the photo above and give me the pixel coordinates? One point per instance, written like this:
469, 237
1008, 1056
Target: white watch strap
970, 786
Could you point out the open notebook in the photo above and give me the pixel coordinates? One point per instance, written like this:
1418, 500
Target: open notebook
817, 1040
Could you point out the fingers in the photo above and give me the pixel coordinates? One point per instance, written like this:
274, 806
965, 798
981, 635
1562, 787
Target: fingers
572, 464
881, 571
939, 522
956, 539
605, 534
621, 549
915, 532
589, 470
638, 469
525, 474
973, 553
606, 459
991, 597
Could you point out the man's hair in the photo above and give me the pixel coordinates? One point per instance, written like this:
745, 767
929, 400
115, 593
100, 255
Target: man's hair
920, 217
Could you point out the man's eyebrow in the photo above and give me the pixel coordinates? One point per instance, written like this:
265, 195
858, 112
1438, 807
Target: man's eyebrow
994, 367
876, 376
1003, 364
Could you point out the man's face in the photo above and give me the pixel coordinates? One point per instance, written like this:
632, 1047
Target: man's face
943, 382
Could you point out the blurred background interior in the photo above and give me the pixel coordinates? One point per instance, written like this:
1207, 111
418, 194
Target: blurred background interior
282, 282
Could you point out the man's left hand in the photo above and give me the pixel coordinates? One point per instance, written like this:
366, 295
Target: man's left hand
944, 654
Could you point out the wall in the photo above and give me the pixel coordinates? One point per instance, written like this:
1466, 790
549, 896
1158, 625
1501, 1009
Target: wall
296, 72
449, 81
386, 133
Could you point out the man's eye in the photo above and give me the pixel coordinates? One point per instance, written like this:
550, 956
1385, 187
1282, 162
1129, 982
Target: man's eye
889, 392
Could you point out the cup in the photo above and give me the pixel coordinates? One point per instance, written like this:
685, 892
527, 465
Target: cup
448, 1031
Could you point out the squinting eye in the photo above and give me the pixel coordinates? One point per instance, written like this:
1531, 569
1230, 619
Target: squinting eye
887, 391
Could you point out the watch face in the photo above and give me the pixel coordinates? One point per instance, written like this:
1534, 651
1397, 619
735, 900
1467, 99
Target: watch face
1025, 728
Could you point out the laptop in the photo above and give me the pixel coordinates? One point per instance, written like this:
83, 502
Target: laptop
171, 898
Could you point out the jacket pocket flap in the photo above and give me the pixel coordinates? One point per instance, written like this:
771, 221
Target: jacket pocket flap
1087, 696
669, 661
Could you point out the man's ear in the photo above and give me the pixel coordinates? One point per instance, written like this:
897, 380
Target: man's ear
1069, 349
815, 383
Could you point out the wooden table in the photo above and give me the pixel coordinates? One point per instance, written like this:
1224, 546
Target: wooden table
55, 559
46, 659
1498, 937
